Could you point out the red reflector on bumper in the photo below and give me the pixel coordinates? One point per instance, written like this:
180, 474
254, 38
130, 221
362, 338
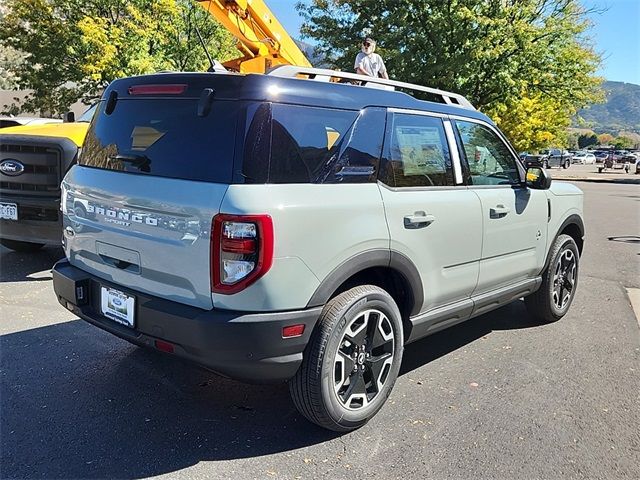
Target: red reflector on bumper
164, 346
292, 331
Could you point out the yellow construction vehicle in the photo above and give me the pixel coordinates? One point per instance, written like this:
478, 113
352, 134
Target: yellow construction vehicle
262, 40
34, 159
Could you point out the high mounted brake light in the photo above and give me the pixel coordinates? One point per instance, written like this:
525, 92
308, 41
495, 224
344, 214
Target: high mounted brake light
176, 89
241, 251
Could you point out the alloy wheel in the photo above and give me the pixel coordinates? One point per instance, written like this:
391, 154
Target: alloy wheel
363, 359
564, 279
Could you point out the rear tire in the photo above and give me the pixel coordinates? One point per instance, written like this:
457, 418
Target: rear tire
545, 165
566, 164
23, 247
559, 282
352, 360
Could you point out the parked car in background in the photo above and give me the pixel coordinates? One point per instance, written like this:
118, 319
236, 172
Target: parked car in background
601, 156
12, 121
583, 158
555, 157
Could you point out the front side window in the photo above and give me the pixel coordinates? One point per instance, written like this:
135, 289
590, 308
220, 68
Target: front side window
490, 161
417, 154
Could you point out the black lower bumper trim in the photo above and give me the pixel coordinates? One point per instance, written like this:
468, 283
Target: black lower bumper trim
245, 346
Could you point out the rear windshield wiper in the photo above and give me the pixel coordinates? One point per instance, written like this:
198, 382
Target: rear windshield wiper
141, 162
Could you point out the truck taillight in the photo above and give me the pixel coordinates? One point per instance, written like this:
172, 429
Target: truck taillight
241, 251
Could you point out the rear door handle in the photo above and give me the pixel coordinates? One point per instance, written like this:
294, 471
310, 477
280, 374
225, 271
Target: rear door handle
499, 211
418, 220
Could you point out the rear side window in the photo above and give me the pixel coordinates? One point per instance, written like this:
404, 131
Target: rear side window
164, 137
299, 144
303, 140
417, 154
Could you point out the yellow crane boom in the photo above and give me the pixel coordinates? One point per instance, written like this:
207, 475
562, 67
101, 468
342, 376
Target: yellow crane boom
262, 40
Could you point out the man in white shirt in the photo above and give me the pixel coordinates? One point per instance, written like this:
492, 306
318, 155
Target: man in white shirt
370, 63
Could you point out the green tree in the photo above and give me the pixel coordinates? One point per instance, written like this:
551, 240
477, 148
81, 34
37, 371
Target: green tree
587, 139
10, 60
73, 48
623, 142
497, 53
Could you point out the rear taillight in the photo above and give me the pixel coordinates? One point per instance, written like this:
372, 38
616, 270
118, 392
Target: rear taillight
241, 251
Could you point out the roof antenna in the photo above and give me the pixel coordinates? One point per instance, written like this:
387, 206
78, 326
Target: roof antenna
212, 64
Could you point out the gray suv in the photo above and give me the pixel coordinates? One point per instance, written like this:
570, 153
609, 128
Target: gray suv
277, 228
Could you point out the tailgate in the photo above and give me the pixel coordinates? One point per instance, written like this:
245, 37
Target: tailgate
150, 236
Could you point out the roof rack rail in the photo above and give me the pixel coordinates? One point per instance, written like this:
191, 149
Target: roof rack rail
323, 74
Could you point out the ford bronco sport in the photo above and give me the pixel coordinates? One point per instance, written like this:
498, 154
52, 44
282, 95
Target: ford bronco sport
273, 228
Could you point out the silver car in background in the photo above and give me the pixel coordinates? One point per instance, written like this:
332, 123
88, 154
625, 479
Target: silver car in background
583, 158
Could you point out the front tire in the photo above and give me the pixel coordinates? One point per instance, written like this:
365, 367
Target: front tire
566, 164
559, 282
22, 247
352, 360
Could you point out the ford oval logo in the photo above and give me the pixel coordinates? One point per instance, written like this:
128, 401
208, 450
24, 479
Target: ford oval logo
11, 167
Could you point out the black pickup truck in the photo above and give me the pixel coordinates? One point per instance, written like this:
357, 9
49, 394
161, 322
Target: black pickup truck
555, 157
548, 158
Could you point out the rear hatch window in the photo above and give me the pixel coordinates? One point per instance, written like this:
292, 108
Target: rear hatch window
165, 137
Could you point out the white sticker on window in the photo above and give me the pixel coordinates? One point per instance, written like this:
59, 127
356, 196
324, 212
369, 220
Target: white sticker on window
420, 150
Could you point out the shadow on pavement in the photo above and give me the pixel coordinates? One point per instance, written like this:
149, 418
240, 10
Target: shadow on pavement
510, 317
20, 267
625, 239
79, 403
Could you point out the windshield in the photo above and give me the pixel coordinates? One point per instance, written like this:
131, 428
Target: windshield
88, 114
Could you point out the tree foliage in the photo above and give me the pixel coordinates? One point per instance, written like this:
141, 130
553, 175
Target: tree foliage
587, 139
526, 62
73, 48
623, 142
605, 139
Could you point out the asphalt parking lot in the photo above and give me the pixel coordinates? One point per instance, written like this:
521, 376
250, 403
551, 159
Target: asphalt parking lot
497, 397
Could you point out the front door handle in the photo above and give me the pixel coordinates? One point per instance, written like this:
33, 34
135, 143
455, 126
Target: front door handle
499, 211
418, 220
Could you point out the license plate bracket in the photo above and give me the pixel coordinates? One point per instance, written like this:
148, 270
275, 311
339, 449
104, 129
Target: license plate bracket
117, 306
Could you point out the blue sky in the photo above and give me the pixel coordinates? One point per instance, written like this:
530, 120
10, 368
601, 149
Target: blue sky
616, 34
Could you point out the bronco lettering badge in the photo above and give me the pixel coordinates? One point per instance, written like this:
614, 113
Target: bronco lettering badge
121, 217
11, 167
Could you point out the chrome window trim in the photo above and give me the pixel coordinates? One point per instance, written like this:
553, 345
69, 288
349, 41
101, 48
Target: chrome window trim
421, 189
453, 151
411, 111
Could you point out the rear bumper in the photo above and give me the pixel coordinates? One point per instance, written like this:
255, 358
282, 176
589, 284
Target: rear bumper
240, 345
38, 226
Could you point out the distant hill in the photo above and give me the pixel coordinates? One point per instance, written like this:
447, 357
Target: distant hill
620, 112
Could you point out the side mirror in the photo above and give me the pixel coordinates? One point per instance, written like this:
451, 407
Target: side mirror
69, 117
537, 178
